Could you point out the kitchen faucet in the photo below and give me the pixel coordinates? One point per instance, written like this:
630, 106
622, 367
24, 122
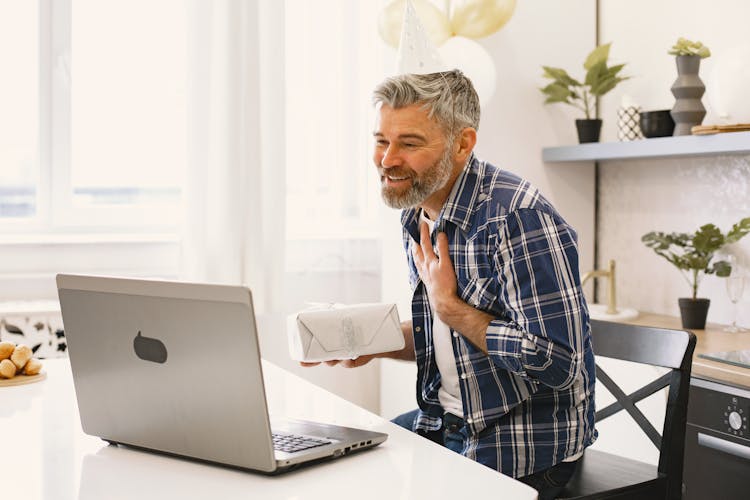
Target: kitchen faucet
610, 275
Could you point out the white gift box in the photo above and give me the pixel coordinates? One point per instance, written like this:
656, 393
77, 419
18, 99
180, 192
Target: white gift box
336, 331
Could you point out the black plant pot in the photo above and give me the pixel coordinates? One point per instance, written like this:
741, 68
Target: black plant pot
694, 312
657, 123
588, 130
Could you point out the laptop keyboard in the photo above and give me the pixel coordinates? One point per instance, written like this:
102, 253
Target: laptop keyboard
292, 443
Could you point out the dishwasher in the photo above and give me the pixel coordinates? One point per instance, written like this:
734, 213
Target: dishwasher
717, 442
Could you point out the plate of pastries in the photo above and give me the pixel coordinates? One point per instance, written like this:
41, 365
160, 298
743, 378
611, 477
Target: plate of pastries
18, 365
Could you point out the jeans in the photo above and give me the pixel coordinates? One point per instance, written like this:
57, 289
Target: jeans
451, 434
549, 482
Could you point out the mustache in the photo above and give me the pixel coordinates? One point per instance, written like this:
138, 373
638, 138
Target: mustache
396, 172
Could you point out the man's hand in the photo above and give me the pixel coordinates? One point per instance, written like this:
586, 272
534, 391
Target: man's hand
436, 271
439, 278
346, 363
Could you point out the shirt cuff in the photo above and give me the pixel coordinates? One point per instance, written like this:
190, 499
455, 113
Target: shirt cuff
505, 346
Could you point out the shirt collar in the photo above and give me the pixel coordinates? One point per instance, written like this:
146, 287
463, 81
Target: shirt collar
459, 206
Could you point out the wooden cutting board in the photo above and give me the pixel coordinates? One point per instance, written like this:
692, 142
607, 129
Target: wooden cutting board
22, 379
717, 129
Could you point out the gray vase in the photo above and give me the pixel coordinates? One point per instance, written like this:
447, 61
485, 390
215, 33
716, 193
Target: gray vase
688, 89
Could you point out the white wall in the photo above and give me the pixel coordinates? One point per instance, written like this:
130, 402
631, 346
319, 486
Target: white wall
515, 126
642, 31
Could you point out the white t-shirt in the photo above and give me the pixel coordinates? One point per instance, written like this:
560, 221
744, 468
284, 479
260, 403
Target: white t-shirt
449, 393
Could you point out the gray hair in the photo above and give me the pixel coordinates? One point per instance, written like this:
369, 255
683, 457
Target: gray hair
448, 97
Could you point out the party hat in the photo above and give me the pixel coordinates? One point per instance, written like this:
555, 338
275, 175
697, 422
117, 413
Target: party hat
416, 53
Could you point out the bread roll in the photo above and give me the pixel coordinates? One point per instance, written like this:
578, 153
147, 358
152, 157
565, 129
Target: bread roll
7, 369
33, 367
21, 355
6, 349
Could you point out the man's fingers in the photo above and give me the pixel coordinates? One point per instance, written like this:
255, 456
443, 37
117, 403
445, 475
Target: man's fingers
443, 250
424, 241
356, 362
346, 363
416, 251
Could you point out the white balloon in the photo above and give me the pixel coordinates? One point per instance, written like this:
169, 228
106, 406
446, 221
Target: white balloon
434, 20
476, 63
728, 83
480, 18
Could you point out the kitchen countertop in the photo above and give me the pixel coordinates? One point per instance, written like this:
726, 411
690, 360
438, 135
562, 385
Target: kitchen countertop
710, 340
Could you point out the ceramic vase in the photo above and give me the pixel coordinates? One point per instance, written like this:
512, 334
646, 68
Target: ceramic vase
688, 89
628, 123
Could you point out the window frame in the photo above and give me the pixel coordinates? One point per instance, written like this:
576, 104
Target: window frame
60, 237
55, 209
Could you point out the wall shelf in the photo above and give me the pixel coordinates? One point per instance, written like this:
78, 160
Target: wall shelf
661, 147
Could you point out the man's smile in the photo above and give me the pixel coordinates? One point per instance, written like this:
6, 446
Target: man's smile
394, 180
395, 176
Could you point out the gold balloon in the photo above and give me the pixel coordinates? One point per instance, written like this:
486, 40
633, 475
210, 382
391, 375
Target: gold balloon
434, 21
479, 18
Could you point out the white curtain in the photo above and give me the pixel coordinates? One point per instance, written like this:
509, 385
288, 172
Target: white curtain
234, 193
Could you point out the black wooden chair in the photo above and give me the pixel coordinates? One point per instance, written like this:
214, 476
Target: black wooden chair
604, 475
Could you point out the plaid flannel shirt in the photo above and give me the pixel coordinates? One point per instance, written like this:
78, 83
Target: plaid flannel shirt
529, 403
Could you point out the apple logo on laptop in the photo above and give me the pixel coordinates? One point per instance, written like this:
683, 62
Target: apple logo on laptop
149, 349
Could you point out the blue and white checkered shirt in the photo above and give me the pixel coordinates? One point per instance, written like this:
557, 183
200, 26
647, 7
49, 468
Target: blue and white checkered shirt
529, 403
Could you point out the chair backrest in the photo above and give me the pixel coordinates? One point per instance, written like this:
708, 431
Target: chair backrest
672, 349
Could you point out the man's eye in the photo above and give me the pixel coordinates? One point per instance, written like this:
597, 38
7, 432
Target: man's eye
410, 145
381, 142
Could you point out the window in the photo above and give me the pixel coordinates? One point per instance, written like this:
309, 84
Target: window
92, 140
93, 126
19, 109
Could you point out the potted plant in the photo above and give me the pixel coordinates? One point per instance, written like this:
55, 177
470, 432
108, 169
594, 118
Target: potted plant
599, 80
685, 47
688, 88
692, 253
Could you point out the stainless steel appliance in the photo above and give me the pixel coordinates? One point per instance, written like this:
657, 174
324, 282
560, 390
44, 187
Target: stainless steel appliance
717, 442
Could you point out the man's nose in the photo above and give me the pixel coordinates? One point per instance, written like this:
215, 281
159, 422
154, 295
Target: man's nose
390, 158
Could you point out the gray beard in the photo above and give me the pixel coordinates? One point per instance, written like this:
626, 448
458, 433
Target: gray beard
431, 181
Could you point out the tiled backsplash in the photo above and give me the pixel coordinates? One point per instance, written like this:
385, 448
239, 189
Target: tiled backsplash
36, 324
682, 194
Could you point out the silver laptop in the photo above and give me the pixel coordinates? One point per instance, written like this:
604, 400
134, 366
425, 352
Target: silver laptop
175, 368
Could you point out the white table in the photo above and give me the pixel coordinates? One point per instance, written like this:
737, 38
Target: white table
45, 455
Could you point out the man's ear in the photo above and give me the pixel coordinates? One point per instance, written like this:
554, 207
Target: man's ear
465, 143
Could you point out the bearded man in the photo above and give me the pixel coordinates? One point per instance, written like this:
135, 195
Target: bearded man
499, 330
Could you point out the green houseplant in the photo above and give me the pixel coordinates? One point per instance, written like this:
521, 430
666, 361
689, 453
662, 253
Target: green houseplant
685, 47
693, 254
599, 80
